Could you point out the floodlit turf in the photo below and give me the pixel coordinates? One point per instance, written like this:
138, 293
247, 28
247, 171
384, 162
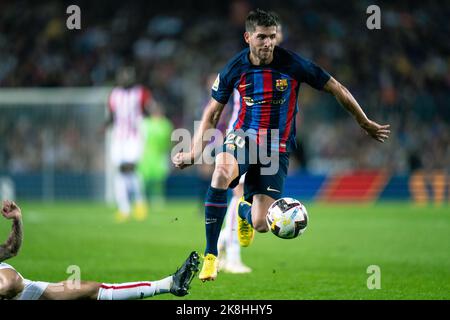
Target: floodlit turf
411, 246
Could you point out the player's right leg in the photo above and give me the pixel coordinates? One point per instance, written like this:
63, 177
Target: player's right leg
226, 170
11, 283
69, 290
176, 284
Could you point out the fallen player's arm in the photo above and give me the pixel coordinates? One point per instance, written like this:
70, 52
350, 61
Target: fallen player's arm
346, 99
12, 245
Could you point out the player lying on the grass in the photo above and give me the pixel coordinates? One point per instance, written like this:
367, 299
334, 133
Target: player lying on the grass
268, 79
14, 286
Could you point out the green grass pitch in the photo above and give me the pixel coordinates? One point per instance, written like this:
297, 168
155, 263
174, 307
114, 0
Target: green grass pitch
411, 246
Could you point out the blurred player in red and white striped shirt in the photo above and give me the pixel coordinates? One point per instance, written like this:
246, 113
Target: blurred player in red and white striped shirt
128, 103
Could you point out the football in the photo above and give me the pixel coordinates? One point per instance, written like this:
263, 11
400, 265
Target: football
287, 218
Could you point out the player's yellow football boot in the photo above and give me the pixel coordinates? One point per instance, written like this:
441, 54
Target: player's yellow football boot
209, 268
121, 217
140, 211
245, 231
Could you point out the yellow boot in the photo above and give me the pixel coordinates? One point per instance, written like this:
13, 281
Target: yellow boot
209, 268
245, 231
140, 211
121, 217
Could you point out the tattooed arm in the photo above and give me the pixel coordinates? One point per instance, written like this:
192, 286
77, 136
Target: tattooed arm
12, 245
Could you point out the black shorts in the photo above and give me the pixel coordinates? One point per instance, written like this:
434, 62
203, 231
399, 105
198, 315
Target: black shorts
264, 176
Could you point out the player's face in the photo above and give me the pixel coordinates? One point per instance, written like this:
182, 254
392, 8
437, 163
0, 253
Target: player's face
262, 42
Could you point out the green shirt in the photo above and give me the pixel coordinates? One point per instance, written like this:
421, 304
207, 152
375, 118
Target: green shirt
154, 164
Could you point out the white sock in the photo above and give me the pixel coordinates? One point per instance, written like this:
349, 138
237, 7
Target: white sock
228, 229
121, 193
221, 243
232, 245
134, 290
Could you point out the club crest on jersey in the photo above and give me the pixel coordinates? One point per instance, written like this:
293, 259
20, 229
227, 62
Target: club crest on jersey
281, 84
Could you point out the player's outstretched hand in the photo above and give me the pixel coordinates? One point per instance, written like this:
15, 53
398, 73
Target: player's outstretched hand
182, 160
376, 131
10, 210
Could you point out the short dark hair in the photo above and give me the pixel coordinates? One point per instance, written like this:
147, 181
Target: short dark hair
260, 18
276, 17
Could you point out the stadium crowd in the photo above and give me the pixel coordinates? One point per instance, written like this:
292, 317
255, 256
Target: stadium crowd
400, 74
48, 139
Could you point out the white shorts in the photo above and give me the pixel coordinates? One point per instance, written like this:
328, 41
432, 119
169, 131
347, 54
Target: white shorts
125, 151
32, 290
6, 266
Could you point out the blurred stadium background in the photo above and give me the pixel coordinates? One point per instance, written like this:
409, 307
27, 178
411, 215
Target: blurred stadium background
54, 85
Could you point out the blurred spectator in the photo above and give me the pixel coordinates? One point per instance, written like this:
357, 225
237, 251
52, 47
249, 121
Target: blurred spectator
154, 165
401, 73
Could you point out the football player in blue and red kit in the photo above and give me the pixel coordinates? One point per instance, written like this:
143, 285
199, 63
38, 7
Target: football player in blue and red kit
268, 79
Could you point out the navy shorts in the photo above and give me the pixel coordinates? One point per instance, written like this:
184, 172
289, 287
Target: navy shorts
271, 182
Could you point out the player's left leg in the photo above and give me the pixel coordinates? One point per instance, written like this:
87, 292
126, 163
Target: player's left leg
176, 284
260, 206
261, 190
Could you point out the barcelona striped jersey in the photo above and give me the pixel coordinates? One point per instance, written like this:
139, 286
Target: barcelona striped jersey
268, 93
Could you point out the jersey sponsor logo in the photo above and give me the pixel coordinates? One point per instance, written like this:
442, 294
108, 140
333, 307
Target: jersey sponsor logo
216, 83
250, 102
270, 189
244, 85
281, 84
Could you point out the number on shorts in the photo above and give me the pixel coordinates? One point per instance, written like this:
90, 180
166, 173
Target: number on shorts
234, 139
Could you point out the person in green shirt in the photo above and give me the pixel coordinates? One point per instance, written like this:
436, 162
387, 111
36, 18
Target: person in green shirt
154, 163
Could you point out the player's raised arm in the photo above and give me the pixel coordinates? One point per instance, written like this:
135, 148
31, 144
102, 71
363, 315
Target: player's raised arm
345, 98
12, 246
210, 118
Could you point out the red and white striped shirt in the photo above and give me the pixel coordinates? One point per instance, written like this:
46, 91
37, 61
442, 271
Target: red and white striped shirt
127, 106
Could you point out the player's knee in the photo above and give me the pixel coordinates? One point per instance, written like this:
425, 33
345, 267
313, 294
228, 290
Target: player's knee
92, 289
222, 176
11, 286
83, 290
260, 226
